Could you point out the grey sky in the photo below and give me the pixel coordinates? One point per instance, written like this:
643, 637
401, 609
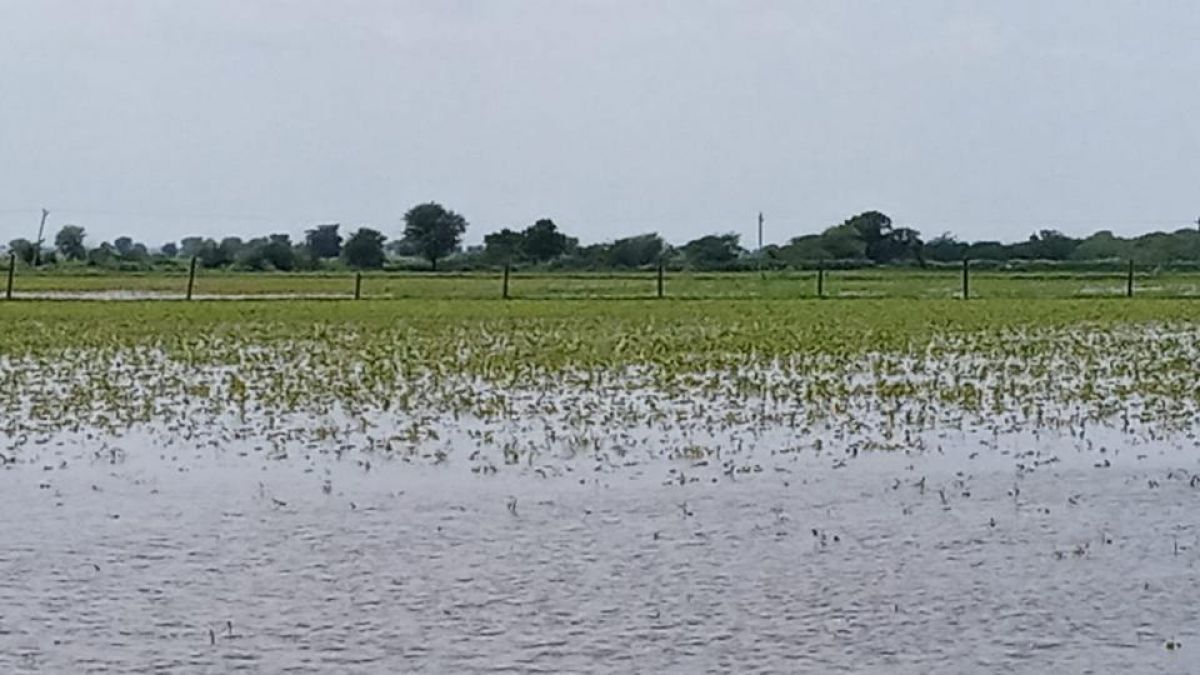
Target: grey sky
988, 119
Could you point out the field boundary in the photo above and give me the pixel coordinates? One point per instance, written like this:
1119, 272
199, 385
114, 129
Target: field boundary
964, 283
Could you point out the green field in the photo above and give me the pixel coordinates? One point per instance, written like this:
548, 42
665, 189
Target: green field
544, 331
888, 283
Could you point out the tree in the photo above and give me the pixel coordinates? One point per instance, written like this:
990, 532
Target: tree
1161, 247
364, 249
103, 255
879, 241
593, 256
169, 249
123, 245
272, 252
844, 242
1045, 245
190, 246
874, 229
210, 254
638, 251
69, 242
323, 241
24, 250
303, 259
505, 246
279, 252
987, 250
806, 249
1101, 245
230, 248
714, 251
434, 231
945, 248
543, 241
903, 243
251, 255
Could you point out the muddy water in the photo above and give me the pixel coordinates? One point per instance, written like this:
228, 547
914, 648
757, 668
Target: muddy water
1032, 555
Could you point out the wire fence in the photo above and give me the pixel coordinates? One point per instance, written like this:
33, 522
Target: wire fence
963, 282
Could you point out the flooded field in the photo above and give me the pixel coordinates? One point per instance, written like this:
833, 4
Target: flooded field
674, 488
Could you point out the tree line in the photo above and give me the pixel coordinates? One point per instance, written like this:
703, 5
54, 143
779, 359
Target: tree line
432, 238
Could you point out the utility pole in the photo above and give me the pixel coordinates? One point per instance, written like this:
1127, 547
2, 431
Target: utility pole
37, 248
759, 253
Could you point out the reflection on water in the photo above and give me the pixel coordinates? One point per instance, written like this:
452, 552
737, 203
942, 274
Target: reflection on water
1036, 555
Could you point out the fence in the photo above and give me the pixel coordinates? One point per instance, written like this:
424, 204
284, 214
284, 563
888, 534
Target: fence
508, 283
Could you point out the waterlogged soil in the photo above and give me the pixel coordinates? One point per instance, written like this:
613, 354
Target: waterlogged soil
1020, 553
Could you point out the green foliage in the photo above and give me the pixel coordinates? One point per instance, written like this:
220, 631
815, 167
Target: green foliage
945, 248
987, 250
539, 243
364, 249
24, 250
69, 242
881, 242
434, 231
324, 242
844, 242
103, 255
434, 234
503, 247
642, 250
713, 252
1045, 245
806, 249
123, 245
542, 241
272, 253
190, 247
1100, 246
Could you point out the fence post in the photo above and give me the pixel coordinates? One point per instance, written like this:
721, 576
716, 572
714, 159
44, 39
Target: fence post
191, 278
504, 288
661, 273
12, 270
357, 285
820, 280
966, 279
1129, 281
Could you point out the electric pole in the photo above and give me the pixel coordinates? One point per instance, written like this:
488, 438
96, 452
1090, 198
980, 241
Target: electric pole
760, 232
37, 248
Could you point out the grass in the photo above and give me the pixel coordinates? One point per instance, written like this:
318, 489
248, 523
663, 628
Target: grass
612, 329
897, 283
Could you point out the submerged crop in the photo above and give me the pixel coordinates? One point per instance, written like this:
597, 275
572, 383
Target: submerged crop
548, 386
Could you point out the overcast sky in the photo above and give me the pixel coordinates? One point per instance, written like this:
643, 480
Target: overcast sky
985, 118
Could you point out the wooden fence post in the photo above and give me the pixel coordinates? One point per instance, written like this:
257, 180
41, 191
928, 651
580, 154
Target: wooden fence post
504, 288
820, 280
12, 270
1129, 281
357, 285
966, 279
661, 274
191, 278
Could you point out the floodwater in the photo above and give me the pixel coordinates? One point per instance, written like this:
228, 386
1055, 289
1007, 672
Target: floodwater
1030, 553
